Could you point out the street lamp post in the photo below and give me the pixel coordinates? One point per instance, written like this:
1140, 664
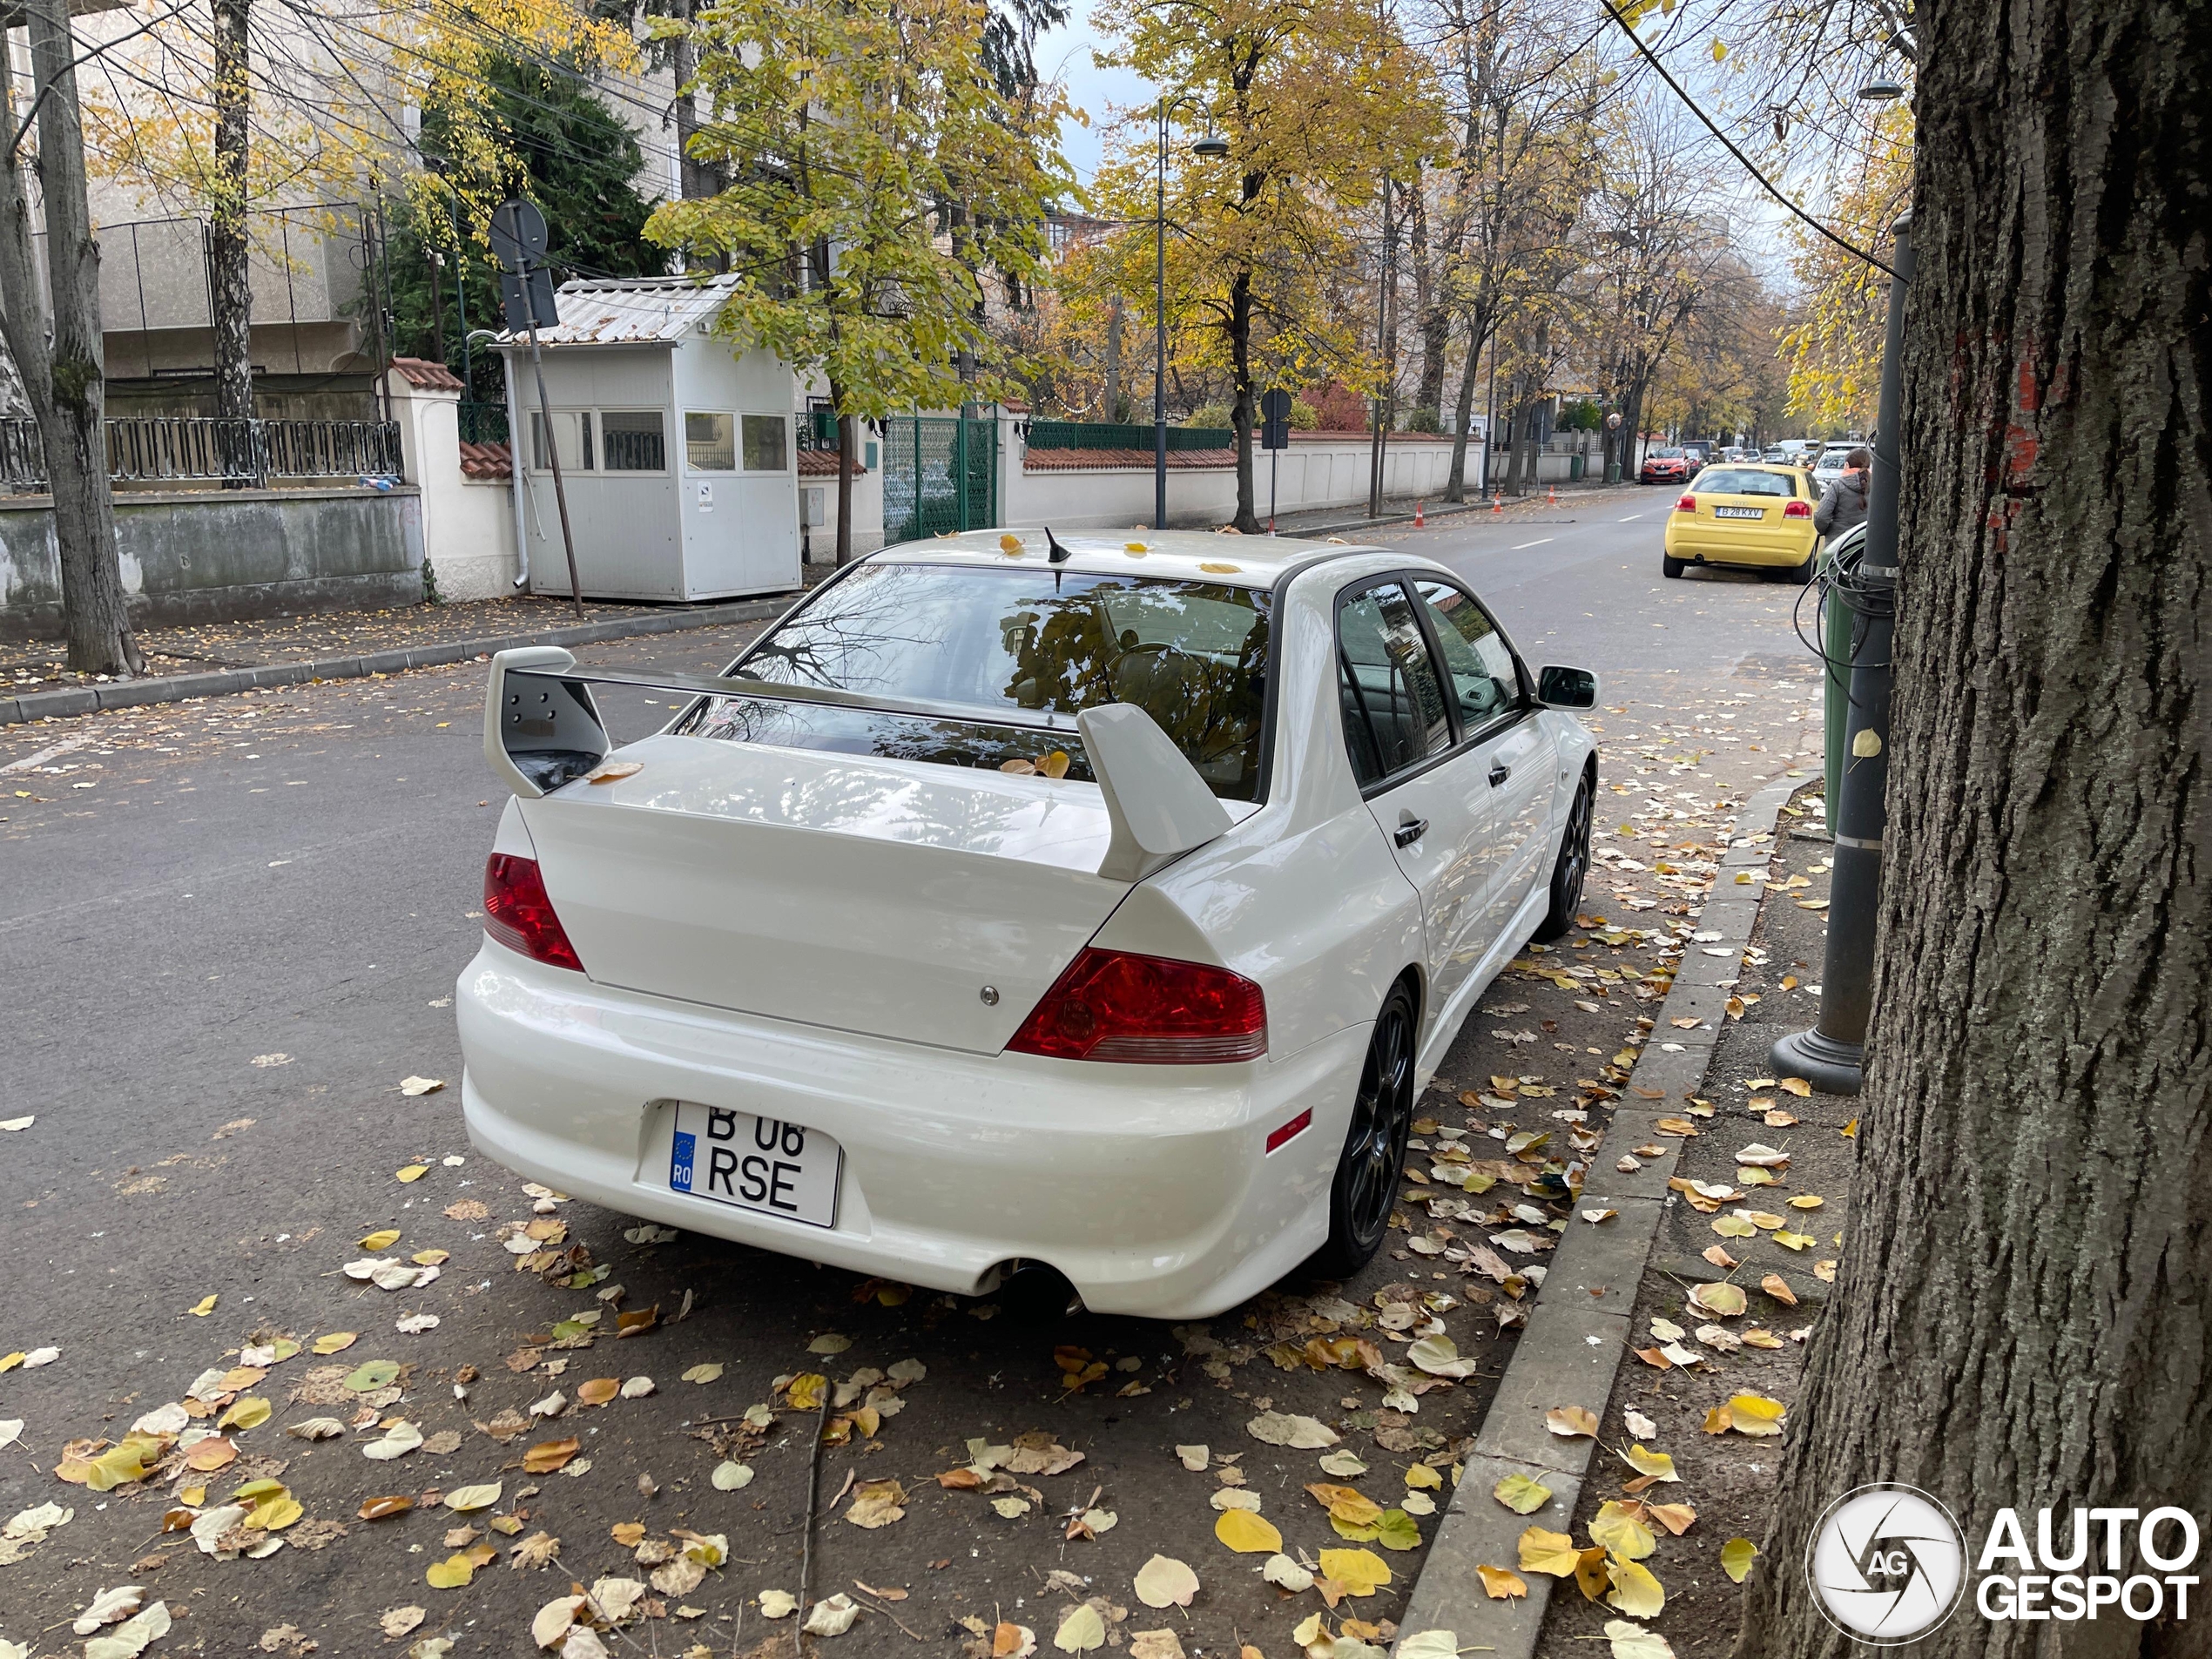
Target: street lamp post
1210, 148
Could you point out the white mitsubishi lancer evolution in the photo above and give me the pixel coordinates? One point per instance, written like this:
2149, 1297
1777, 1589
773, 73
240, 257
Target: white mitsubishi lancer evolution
1093, 904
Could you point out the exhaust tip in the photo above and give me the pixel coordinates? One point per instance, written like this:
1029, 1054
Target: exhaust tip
1036, 1293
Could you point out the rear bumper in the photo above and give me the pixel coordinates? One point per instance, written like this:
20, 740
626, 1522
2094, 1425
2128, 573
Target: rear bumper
1147, 1186
1703, 545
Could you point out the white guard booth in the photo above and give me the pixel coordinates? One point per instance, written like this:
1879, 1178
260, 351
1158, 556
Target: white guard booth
677, 453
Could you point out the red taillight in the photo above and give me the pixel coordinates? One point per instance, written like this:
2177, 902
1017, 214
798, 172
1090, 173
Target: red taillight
1798, 509
1687, 504
519, 915
1146, 1010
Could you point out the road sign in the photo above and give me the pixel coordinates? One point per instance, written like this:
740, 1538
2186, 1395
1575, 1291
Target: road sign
1275, 419
528, 299
518, 235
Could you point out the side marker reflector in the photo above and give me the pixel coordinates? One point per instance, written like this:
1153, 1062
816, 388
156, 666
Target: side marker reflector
1296, 1126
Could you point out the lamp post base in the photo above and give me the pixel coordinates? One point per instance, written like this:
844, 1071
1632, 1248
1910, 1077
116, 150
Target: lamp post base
1833, 1068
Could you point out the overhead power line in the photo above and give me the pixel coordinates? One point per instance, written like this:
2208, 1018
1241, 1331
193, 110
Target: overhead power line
1765, 184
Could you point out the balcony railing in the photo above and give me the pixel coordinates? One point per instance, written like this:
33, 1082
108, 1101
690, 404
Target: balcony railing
199, 450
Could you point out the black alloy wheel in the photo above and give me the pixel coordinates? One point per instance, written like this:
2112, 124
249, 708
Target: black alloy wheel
1568, 869
1374, 1149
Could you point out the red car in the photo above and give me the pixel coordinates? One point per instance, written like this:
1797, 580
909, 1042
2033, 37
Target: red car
1669, 466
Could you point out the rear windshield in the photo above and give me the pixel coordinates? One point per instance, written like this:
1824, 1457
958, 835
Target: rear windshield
1011, 642
1727, 483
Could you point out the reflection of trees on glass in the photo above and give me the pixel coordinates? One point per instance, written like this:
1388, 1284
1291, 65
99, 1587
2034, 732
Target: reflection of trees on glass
1192, 655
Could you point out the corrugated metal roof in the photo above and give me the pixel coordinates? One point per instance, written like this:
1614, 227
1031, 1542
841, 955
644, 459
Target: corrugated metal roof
637, 311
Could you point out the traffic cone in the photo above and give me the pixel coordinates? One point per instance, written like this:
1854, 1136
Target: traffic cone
1552, 498
1498, 501
1418, 522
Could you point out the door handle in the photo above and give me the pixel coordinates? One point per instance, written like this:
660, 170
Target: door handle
1410, 829
1499, 773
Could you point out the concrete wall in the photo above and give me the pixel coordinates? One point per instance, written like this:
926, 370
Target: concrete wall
468, 524
1318, 469
217, 555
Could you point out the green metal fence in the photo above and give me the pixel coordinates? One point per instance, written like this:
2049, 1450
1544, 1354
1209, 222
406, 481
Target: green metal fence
1098, 435
939, 475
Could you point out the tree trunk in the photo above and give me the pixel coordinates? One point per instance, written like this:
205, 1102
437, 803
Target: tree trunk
1114, 412
59, 355
2021, 1319
1240, 412
232, 298
1455, 489
1432, 305
848, 434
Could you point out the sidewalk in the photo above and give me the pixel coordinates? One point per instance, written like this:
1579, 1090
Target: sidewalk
218, 658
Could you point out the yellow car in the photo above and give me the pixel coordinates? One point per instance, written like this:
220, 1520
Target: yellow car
1753, 518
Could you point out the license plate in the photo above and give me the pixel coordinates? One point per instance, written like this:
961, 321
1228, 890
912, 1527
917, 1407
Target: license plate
759, 1163
1739, 512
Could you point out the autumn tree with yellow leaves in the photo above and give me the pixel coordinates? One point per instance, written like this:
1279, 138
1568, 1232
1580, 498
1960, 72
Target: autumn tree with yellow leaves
1321, 104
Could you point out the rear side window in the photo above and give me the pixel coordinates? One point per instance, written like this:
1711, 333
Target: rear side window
1394, 714
1728, 481
1194, 656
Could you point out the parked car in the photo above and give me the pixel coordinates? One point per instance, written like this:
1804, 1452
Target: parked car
1667, 466
1102, 907
1829, 466
1757, 518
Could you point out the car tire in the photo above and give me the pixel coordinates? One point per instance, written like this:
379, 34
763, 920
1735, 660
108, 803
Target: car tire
1570, 867
1670, 566
1364, 1188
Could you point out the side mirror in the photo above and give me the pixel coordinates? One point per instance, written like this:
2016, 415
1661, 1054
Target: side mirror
1565, 688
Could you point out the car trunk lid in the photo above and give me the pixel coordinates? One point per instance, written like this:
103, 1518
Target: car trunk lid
909, 899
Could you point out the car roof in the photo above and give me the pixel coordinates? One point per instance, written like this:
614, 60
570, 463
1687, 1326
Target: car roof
1178, 555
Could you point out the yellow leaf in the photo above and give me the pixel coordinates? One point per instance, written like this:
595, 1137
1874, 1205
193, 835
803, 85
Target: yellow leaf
1658, 1464
249, 1413
1719, 1420
1636, 1592
1718, 1296
415, 1172
276, 1514
202, 1308
1521, 1495
1755, 1415
335, 1342
1788, 1240
1246, 1534
1807, 1201
450, 1573
1590, 1575
1737, 1556
1499, 1585
1422, 1476
1733, 1226
1720, 51
383, 1238
1548, 1552
1616, 1528
1361, 1571
1798, 1087
1676, 1518
806, 1391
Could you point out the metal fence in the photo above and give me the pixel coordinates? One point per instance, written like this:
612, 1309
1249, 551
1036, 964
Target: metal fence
1098, 435
483, 422
200, 450
939, 476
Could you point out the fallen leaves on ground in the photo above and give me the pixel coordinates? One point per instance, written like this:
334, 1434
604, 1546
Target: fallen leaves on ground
1164, 1581
1499, 1584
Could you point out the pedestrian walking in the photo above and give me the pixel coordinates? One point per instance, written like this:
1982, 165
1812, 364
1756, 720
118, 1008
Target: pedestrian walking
1845, 504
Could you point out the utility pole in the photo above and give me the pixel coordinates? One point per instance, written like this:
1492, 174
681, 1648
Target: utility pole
1832, 1056
1384, 356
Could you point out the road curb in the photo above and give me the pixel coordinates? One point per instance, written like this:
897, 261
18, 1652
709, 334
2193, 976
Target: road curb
1572, 1351
177, 688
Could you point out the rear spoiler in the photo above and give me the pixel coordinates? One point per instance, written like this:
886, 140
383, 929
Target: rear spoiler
542, 728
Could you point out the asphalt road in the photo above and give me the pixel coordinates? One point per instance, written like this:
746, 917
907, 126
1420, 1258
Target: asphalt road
229, 929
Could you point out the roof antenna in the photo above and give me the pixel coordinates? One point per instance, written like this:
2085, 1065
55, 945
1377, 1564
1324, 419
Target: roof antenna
1054, 552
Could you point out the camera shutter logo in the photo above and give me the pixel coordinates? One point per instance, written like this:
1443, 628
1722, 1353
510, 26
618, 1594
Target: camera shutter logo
1887, 1565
